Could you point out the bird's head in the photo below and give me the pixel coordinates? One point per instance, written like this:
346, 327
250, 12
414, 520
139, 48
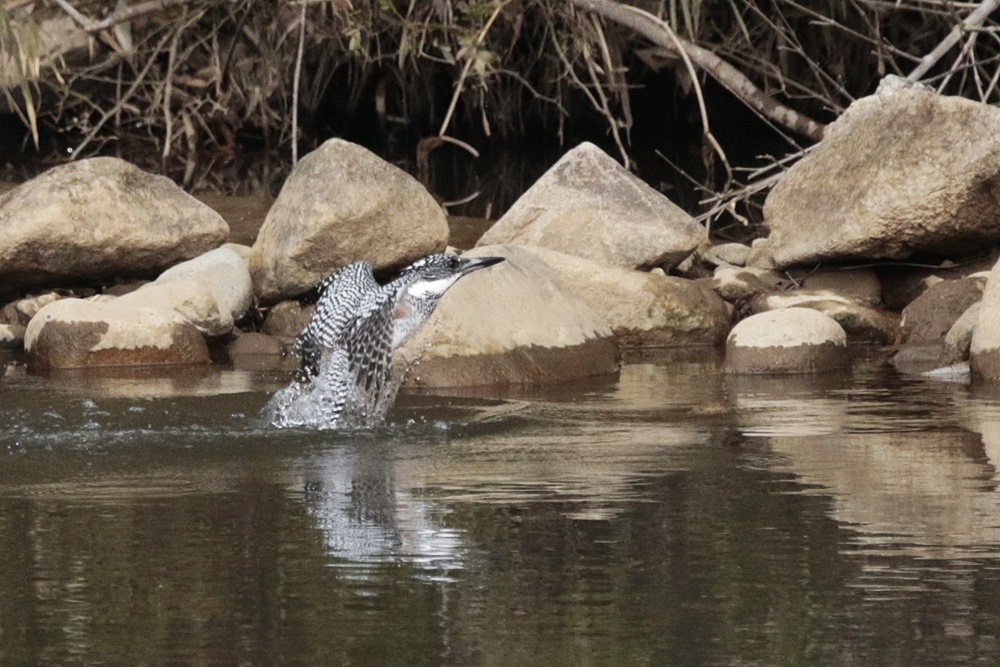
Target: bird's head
430, 277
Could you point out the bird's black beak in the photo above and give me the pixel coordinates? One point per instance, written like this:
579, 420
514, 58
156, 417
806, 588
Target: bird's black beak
476, 263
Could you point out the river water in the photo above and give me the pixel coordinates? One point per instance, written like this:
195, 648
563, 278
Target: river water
672, 516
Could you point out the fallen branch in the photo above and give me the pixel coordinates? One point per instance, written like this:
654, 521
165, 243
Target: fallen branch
728, 76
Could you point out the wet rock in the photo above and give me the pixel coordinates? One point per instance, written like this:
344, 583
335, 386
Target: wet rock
287, 319
74, 333
513, 324
642, 309
256, 343
861, 323
260, 352
894, 175
933, 313
94, 219
590, 206
793, 340
727, 254
224, 272
342, 203
861, 286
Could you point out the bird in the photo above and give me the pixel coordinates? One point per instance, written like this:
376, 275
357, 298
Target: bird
346, 348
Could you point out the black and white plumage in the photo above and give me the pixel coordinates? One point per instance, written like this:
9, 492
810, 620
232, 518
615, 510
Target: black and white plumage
346, 349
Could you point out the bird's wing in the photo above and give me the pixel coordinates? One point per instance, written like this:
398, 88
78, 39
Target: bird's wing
368, 341
339, 300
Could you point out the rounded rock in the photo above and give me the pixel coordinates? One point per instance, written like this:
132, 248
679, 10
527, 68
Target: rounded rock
792, 340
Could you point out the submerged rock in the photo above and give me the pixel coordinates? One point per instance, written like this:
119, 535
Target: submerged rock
340, 204
894, 175
98, 218
792, 340
590, 206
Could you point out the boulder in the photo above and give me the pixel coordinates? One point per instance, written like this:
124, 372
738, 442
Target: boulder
340, 204
188, 300
931, 315
642, 309
590, 206
74, 333
513, 324
98, 218
896, 174
861, 323
930, 319
793, 340
224, 272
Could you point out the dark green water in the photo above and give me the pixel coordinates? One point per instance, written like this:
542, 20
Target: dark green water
672, 517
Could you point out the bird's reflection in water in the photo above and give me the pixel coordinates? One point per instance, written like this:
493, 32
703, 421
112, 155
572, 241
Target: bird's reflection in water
367, 520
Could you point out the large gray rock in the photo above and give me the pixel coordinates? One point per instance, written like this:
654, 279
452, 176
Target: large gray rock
74, 333
894, 175
98, 218
588, 205
342, 203
513, 324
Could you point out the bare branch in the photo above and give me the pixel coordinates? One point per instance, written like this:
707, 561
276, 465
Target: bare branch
970, 22
728, 76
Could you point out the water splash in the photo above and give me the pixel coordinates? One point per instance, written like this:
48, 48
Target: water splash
333, 399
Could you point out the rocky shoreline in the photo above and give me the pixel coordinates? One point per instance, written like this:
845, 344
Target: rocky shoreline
102, 264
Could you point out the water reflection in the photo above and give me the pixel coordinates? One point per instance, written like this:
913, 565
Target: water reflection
900, 469
366, 519
675, 516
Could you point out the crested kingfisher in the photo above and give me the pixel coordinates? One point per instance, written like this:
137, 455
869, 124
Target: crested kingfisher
346, 348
